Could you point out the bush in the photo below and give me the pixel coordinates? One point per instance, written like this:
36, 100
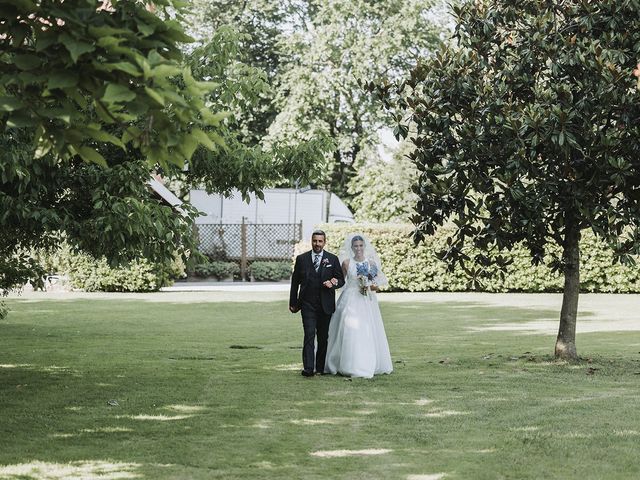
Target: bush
270, 271
417, 269
93, 275
217, 269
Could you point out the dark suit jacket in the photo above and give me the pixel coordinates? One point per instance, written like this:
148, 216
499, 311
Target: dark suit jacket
302, 273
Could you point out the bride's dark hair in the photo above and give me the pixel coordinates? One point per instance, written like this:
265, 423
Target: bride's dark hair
356, 238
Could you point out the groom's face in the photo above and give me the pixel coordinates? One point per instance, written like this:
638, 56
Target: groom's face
317, 243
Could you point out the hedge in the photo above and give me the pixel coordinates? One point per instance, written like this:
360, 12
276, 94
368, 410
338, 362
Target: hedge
93, 275
416, 269
218, 269
270, 271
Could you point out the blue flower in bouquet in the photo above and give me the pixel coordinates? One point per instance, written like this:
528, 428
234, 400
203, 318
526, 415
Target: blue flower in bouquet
373, 272
365, 269
362, 268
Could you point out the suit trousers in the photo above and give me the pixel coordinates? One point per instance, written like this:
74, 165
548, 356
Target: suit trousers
315, 322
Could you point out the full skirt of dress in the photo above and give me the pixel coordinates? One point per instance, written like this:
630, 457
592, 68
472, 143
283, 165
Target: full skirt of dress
358, 344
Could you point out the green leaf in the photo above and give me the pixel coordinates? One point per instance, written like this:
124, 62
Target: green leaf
109, 42
163, 71
145, 29
188, 146
104, 32
20, 119
62, 79
203, 138
126, 67
131, 133
117, 93
19, 33
155, 95
213, 118
27, 61
44, 39
90, 155
75, 47
9, 104
103, 113
103, 136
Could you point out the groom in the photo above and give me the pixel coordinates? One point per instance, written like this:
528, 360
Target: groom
316, 276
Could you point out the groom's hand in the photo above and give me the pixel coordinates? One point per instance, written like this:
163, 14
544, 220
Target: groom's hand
330, 283
293, 309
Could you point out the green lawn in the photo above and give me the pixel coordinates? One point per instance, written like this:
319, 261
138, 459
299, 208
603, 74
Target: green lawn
211, 389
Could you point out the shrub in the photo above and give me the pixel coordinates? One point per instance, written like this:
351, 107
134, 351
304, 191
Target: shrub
270, 271
217, 269
92, 275
222, 270
417, 269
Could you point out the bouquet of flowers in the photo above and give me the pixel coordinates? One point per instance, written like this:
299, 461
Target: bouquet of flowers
366, 276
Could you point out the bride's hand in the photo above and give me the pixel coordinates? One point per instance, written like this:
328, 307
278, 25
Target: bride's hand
373, 287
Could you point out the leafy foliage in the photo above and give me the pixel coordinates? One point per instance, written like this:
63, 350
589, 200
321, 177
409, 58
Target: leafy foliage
137, 109
339, 45
270, 271
530, 118
217, 269
69, 71
105, 212
315, 53
382, 191
418, 269
528, 131
244, 164
85, 272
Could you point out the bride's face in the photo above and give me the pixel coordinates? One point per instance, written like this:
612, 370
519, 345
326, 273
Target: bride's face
358, 248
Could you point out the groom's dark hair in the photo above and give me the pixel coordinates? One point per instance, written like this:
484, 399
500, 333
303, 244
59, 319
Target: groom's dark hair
319, 232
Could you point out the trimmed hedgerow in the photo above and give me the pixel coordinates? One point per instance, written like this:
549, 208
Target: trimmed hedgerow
417, 269
217, 269
270, 271
92, 275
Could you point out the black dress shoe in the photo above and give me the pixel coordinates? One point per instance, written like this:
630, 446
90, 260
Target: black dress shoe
306, 373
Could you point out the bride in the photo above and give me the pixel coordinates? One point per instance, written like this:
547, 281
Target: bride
357, 342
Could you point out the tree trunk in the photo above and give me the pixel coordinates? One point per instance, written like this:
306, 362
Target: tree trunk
566, 341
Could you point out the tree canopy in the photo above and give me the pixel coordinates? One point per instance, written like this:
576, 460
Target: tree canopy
317, 52
95, 96
87, 70
528, 130
382, 188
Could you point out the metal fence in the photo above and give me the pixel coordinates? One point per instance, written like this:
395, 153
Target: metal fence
248, 242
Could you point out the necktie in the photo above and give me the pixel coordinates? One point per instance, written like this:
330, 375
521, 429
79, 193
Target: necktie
316, 261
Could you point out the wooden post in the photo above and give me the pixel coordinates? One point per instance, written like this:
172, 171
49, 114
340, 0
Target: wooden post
243, 254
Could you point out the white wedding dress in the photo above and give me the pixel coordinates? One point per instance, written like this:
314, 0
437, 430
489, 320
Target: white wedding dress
357, 341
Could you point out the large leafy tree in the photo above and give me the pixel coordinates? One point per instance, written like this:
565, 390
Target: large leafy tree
315, 53
528, 130
70, 69
337, 45
95, 96
382, 188
245, 164
257, 27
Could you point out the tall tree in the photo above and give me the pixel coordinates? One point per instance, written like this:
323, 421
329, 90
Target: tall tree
315, 53
102, 71
257, 26
382, 188
336, 45
528, 130
94, 96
